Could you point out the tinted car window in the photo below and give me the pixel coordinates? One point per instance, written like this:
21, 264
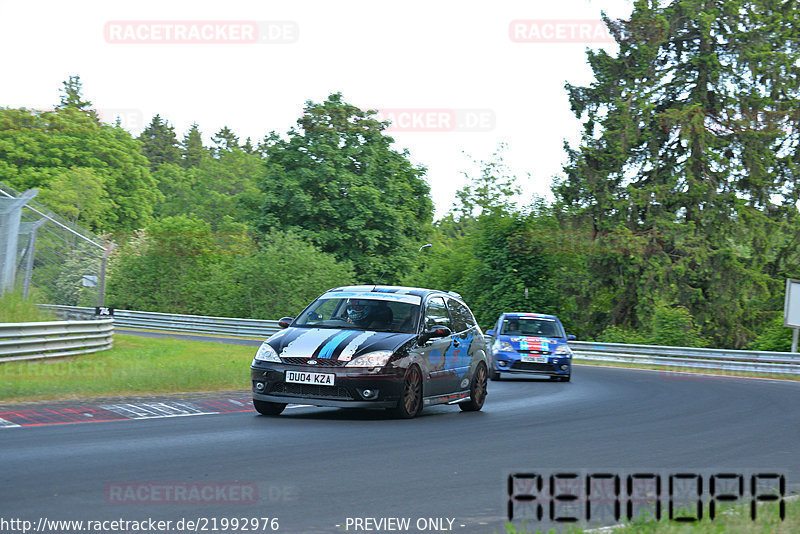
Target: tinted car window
367, 311
531, 327
462, 317
436, 314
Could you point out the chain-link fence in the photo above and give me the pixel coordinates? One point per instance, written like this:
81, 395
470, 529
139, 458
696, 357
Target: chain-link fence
58, 261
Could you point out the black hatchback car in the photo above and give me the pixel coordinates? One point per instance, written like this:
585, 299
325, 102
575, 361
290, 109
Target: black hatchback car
389, 347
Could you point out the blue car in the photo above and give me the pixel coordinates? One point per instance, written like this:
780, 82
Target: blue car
530, 343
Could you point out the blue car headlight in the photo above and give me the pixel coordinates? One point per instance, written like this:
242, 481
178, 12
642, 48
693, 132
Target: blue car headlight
266, 353
563, 350
372, 359
502, 346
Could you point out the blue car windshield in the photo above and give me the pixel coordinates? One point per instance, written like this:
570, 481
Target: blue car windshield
531, 326
362, 312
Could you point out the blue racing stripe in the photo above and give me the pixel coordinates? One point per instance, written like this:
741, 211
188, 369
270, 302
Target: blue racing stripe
330, 346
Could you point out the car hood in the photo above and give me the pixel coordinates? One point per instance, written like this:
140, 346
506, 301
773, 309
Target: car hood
522, 342
337, 344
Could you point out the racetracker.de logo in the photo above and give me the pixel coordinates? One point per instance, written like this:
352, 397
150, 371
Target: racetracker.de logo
559, 31
202, 493
201, 32
437, 119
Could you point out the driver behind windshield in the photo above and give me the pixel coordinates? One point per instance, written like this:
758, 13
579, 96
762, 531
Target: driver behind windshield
368, 314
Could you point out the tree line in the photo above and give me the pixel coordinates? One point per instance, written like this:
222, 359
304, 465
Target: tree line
675, 220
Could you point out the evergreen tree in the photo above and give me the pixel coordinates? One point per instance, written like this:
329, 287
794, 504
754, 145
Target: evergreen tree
72, 95
159, 143
192, 150
687, 170
225, 140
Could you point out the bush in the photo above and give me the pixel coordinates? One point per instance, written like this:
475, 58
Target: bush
674, 327
15, 309
775, 337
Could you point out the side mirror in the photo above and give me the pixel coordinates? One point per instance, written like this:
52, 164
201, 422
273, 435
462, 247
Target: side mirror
570, 337
491, 333
284, 322
437, 331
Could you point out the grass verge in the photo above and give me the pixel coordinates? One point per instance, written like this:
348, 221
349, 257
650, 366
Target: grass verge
731, 519
677, 371
15, 309
135, 365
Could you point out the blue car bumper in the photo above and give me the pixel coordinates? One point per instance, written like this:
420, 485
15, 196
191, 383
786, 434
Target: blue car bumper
511, 362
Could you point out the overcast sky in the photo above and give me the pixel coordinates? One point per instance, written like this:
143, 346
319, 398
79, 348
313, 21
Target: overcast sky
456, 76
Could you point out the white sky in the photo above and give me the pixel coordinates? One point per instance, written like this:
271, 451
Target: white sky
454, 56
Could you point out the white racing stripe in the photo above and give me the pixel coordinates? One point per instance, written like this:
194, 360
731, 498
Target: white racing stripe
304, 345
352, 347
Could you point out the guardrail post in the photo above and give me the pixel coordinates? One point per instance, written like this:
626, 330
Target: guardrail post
10, 216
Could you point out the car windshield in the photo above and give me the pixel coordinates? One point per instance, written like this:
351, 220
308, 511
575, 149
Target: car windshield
383, 312
530, 326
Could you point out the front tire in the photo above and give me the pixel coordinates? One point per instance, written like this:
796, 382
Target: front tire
268, 408
477, 390
410, 403
494, 374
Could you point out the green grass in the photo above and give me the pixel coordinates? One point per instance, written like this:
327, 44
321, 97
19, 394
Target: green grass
670, 371
15, 309
732, 519
135, 365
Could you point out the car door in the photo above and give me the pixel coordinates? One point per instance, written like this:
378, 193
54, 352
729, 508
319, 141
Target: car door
459, 358
435, 350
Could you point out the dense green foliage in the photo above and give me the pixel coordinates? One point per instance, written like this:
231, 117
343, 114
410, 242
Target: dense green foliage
92, 172
337, 183
687, 170
675, 222
180, 265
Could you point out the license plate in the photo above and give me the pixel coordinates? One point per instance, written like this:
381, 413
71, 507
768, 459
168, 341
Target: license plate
320, 379
533, 359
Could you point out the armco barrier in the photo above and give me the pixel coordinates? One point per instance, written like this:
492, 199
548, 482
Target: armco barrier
689, 357
190, 324
31, 341
673, 357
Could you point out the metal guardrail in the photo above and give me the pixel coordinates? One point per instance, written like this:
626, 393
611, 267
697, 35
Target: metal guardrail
54, 339
190, 324
689, 357
675, 357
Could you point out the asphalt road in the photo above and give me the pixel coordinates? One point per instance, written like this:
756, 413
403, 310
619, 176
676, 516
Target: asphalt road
312, 468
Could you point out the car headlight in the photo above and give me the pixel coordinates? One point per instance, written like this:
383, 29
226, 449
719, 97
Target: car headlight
564, 350
266, 353
372, 359
502, 346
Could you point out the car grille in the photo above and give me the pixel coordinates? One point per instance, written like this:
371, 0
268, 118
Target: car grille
525, 366
322, 362
310, 390
545, 352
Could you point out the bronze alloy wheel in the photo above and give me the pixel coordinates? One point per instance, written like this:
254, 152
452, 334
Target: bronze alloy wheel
410, 403
477, 390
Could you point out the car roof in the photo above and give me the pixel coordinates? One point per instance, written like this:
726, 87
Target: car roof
528, 314
418, 291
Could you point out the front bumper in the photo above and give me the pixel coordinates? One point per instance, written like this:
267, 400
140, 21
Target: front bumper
348, 390
514, 364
